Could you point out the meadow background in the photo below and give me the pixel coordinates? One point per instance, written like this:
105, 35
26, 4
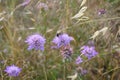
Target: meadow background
22, 18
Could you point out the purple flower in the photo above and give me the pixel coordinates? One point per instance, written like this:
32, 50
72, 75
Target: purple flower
66, 52
41, 5
36, 42
62, 40
83, 71
101, 11
26, 2
79, 60
89, 51
12, 70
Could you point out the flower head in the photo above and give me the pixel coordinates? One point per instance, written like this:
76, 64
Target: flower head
101, 11
79, 60
36, 42
26, 2
66, 52
84, 71
89, 51
41, 5
62, 40
12, 70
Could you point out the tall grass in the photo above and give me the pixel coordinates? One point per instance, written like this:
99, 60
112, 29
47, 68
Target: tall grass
18, 21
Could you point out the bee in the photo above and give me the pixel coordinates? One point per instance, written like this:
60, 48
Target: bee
59, 33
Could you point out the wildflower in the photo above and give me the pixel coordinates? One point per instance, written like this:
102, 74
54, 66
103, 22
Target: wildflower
79, 60
12, 70
26, 2
62, 40
36, 42
89, 51
41, 5
66, 52
101, 11
83, 71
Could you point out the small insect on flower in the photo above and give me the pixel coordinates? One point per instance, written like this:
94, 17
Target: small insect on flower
12, 70
62, 40
36, 42
58, 34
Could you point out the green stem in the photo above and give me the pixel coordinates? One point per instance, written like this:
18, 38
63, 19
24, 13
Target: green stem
10, 78
111, 70
64, 75
44, 69
1, 74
